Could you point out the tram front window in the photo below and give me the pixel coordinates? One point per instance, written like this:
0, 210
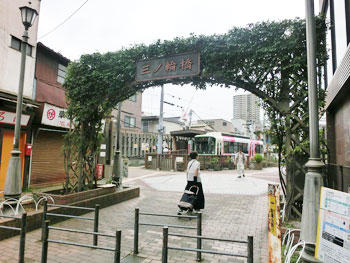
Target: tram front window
205, 145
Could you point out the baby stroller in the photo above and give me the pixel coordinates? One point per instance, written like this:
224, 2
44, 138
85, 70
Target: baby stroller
188, 200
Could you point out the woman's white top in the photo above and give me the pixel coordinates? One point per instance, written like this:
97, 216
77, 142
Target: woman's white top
192, 166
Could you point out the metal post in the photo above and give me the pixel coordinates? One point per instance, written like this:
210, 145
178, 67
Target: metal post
23, 237
97, 211
43, 219
45, 242
199, 233
117, 177
160, 125
250, 249
118, 236
136, 231
13, 182
165, 245
313, 178
333, 36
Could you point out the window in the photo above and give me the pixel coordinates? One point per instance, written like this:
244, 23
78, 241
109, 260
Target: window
133, 98
224, 123
259, 148
229, 147
61, 73
145, 126
129, 122
17, 44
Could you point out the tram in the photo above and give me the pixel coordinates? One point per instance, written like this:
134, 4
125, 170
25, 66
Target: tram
217, 143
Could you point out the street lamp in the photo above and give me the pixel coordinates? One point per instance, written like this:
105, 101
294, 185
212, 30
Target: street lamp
13, 185
313, 177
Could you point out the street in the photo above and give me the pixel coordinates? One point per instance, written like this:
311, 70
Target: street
235, 208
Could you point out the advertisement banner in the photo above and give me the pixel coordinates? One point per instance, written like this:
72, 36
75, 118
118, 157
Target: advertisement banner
274, 222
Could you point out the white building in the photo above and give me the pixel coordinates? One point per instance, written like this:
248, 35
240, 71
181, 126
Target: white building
11, 31
246, 107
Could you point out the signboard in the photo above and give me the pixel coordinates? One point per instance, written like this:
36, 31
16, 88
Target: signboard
135, 145
99, 171
274, 220
333, 230
54, 116
179, 159
176, 66
149, 158
10, 118
145, 146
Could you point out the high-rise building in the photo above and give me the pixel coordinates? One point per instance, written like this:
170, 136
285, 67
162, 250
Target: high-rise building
246, 107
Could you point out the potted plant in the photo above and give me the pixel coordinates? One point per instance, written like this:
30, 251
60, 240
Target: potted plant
215, 163
258, 161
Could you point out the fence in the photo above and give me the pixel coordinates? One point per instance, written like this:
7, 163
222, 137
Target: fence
137, 224
338, 177
165, 248
46, 240
95, 219
22, 231
178, 162
138, 144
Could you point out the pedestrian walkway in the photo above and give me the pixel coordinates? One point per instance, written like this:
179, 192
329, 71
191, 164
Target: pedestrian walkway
233, 215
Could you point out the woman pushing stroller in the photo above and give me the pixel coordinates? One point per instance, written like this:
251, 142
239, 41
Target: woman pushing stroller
193, 187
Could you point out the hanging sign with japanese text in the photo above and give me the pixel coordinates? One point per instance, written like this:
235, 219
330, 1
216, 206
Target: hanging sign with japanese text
333, 231
10, 118
176, 66
54, 116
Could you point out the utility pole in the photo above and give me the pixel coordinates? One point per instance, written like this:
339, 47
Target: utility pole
160, 125
117, 177
313, 178
190, 121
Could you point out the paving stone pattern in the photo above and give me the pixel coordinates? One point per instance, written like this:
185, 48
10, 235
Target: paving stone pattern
231, 216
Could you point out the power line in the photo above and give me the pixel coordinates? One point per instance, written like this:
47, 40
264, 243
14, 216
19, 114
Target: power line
64, 21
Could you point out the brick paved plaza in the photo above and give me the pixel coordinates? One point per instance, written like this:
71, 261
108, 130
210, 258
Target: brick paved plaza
231, 215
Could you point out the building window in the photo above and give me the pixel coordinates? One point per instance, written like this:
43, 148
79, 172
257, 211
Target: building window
133, 98
61, 73
224, 123
129, 122
145, 126
17, 44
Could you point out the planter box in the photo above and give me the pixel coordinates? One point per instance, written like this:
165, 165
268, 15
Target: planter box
34, 218
63, 199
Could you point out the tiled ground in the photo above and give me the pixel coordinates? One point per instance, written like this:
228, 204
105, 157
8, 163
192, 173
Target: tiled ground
233, 215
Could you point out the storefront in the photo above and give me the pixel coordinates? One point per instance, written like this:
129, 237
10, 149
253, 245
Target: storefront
47, 164
7, 124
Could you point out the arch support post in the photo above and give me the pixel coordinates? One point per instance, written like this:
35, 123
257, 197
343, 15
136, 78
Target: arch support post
313, 178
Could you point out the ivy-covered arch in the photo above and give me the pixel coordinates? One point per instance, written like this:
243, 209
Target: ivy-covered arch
267, 59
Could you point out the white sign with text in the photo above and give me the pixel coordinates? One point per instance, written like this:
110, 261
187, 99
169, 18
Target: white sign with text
54, 116
10, 118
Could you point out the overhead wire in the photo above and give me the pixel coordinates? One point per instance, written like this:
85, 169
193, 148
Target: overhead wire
63, 22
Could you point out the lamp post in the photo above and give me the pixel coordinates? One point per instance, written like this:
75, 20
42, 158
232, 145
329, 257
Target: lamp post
313, 177
13, 186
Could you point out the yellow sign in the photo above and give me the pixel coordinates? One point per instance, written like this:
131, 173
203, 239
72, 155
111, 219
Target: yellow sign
274, 221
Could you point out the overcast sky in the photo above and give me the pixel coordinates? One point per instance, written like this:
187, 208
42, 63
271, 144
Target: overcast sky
108, 25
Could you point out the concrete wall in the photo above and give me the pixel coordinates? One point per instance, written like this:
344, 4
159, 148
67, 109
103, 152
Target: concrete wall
11, 24
169, 126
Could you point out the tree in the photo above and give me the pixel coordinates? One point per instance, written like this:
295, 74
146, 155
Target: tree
267, 59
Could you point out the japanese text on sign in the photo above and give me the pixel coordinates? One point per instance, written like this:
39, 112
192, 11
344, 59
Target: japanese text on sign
333, 231
176, 66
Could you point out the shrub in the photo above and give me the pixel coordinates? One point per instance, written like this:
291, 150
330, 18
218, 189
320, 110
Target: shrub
258, 158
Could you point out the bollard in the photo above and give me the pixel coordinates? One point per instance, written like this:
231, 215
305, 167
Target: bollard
136, 231
199, 233
250, 249
23, 237
44, 241
97, 212
165, 245
118, 236
43, 219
